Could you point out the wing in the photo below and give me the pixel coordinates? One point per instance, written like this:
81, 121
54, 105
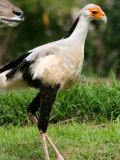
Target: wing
14, 63
26, 60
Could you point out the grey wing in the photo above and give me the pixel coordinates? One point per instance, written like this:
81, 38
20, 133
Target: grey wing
41, 51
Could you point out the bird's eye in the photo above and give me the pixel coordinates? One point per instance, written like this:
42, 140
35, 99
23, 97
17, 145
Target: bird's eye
94, 12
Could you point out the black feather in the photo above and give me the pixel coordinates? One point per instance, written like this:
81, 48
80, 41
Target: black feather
47, 97
14, 63
72, 28
22, 65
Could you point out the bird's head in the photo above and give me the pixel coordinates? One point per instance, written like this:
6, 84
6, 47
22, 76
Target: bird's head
92, 11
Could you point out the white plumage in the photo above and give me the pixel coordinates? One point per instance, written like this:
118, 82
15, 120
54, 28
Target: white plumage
51, 67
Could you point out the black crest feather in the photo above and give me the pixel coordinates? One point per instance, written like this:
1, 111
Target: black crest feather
72, 28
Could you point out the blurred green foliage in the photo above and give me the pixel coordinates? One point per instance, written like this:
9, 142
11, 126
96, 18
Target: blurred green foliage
102, 44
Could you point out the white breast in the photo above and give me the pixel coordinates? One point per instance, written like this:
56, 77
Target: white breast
63, 69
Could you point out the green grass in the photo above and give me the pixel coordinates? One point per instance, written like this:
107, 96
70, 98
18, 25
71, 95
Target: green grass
97, 102
74, 141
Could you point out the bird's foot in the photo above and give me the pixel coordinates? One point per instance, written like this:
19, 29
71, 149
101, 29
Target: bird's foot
44, 137
33, 118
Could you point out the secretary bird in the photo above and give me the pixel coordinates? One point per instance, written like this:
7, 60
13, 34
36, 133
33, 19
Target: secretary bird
10, 14
51, 67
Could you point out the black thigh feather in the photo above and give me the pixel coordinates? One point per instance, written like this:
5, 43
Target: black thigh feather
34, 105
47, 98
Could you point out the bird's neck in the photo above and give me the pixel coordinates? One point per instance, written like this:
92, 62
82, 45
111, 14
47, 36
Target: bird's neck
79, 34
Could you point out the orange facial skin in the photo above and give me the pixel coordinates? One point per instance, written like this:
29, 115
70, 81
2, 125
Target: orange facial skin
96, 12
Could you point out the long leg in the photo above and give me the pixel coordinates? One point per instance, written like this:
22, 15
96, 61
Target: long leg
47, 98
44, 101
34, 105
54, 148
33, 108
35, 121
45, 146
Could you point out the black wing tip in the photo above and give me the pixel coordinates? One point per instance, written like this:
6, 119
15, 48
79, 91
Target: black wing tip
10, 74
14, 63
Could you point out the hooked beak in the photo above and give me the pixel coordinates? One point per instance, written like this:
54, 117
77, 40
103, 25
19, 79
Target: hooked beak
104, 19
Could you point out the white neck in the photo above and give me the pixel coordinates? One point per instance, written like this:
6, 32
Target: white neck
80, 32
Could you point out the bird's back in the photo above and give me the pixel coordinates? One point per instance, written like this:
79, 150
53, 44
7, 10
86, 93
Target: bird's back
53, 63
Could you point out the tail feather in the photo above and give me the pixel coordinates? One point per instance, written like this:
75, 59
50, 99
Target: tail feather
11, 78
3, 80
15, 83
